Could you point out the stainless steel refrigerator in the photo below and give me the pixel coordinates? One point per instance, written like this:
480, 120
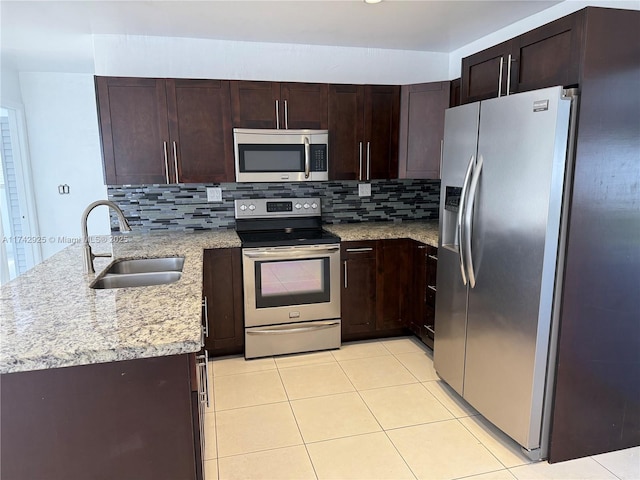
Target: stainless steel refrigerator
505, 181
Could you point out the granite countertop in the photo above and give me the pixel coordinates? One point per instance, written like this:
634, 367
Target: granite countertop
50, 317
422, 231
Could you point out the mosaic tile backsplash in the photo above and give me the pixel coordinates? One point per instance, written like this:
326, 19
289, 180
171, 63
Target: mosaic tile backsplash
185, 207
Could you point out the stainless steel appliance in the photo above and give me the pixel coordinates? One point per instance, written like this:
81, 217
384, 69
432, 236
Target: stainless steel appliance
291, 277
505, 181
269, 155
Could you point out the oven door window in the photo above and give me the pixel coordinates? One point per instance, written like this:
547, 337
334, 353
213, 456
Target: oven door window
270, 158
292, 282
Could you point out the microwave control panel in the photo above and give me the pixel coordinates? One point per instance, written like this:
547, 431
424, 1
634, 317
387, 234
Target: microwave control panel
318, 158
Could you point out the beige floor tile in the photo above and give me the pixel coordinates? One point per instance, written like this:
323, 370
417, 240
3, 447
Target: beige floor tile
450, 399
298, 360
246, 389
404, 405
404, 345
499, 475
252, 429
366, 457
443, 450
580, 469
376, 372
625, 464
333, 416
315, 380
283, 463
420, 364
503, 448
211, 470
235, 365
351, 351
211, 447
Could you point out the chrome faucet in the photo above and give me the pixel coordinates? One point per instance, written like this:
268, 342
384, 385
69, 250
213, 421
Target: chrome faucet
87, 254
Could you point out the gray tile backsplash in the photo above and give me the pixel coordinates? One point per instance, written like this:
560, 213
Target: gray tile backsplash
185, 206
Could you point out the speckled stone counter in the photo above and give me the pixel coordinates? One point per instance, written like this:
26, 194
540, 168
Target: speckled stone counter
51, 318
425, 232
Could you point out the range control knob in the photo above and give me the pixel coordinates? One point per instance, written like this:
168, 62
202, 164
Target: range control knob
252, 207
314, 205
243, 207
298, 206
306, 205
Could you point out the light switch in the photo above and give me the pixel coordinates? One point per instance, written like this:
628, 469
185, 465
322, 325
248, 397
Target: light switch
214, 194
364, 189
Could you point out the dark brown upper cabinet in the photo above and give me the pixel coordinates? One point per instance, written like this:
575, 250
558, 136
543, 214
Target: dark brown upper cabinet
422, 109
279, 105
546, 56
164, 131
363, 131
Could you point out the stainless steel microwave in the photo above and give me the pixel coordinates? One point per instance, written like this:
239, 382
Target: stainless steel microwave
265, 155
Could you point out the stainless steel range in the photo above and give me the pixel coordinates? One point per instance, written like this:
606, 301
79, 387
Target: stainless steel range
291, 277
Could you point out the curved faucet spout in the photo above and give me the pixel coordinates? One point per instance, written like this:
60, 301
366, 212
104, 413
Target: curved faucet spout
88, 255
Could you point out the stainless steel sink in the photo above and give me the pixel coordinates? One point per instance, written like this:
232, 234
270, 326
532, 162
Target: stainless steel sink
146, 265
141, 272
126, 280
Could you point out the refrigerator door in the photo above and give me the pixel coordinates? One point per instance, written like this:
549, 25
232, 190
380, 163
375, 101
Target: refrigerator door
516, 224
460, 144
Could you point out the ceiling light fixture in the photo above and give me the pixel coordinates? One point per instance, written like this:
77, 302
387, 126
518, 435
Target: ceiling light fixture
372, 1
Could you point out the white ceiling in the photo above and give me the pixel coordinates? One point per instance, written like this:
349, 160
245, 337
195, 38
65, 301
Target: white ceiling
56, 35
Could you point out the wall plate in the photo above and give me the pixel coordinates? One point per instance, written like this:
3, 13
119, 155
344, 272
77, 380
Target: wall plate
364, 189
214, 194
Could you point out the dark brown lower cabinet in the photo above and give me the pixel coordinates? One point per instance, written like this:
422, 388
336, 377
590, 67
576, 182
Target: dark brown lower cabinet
422, 322
376, 299
222, 292
133, 419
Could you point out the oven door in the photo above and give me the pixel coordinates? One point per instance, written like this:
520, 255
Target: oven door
291, 284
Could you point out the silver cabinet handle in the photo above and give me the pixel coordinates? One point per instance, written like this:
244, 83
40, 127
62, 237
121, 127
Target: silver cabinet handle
175, 160
285, 329
430, 328
500, 77
307, 157
459, 226
509, 75
431, 287
359, 162
356, 250
286, 116
206, 316
433, 257
467, 221
345, 273
166, 160
422, 247
368, 160
277, 116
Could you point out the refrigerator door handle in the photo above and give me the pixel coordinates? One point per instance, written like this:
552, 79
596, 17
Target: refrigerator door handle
468, 214
461, 207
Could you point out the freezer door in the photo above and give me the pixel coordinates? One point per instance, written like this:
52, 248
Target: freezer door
516, 223
460, 143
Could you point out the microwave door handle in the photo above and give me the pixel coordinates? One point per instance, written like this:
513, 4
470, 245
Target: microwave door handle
307, 157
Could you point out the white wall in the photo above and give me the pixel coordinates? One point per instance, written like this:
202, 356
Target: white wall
62, 126
10, 87
529, 23
202, 58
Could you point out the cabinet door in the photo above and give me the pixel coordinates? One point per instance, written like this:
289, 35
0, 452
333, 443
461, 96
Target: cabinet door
394, 297
304, 105
253, 104
422, 129
481, 73
419, 287
549, 55
132, 113
346, 132
359, 280
200, 129
454, 95
222, 287
382, 122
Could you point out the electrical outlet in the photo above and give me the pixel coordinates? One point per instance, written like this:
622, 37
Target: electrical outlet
214, 194
364, 189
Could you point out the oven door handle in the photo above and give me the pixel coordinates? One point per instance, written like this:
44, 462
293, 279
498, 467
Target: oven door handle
285, 329
293, 253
